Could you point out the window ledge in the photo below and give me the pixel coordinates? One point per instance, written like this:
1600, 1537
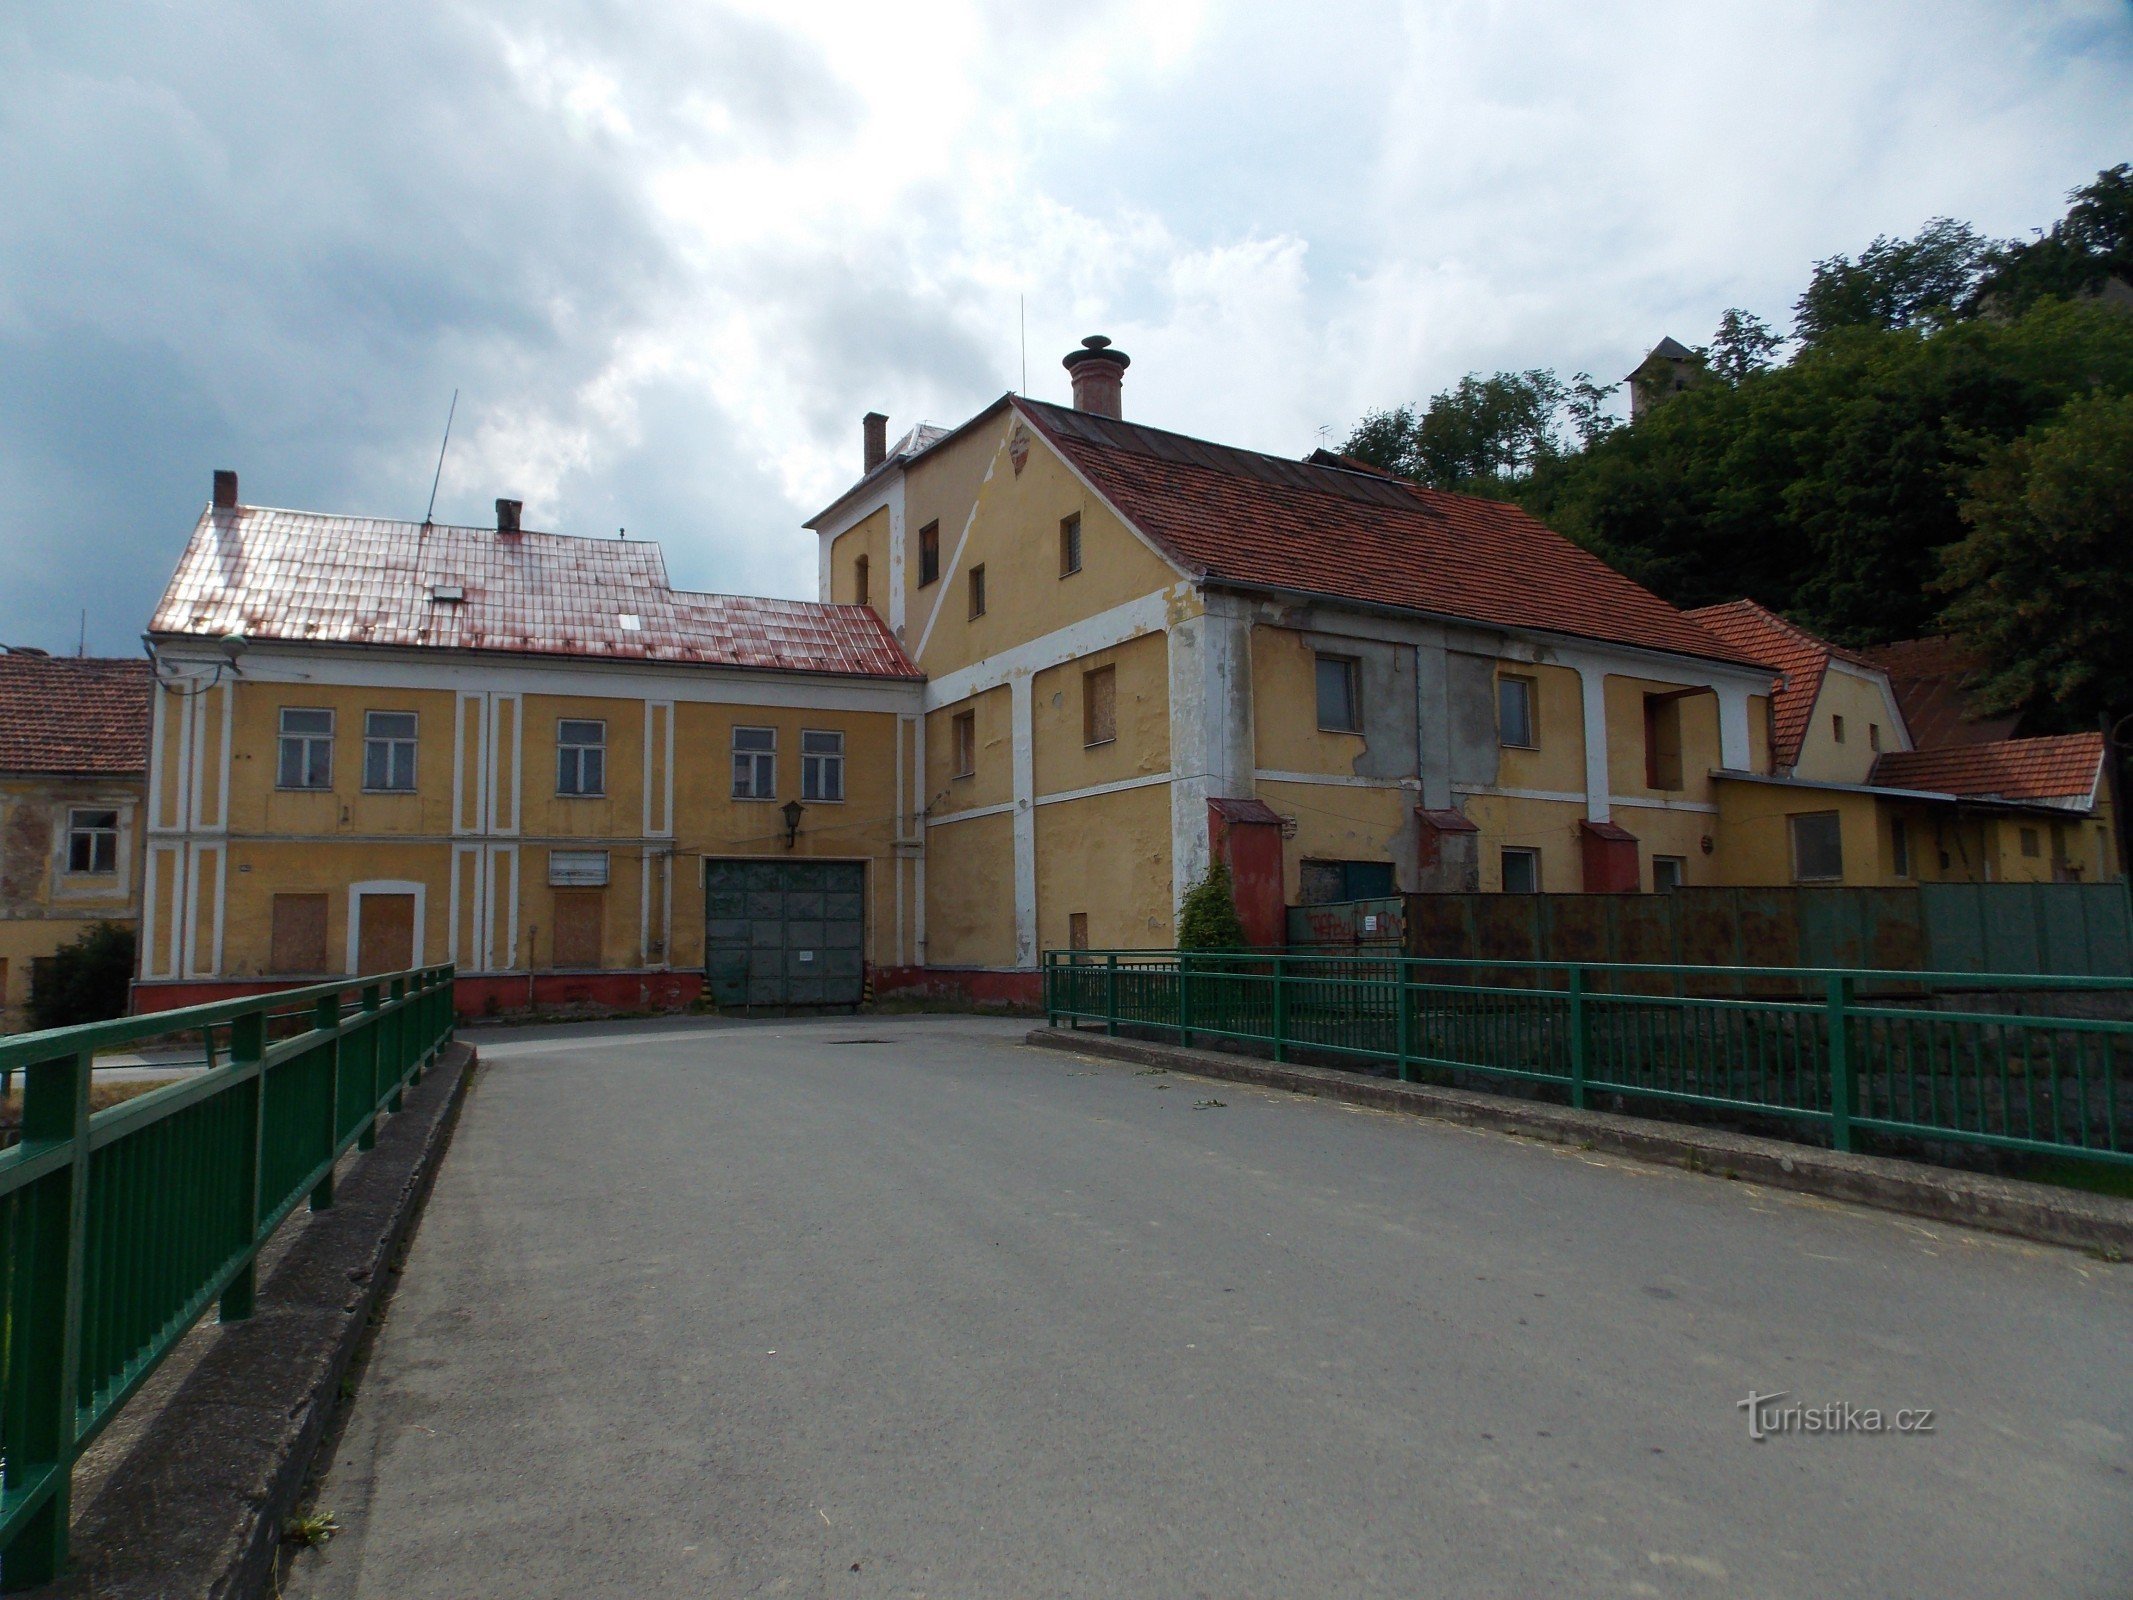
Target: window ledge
1098, 744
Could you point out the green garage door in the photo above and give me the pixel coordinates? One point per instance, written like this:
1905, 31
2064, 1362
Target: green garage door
784, 933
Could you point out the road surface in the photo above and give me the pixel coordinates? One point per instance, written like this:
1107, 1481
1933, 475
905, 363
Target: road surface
895, 1307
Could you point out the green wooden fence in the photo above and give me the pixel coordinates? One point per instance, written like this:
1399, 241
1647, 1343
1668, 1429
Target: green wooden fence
1839, 1050
120, 1229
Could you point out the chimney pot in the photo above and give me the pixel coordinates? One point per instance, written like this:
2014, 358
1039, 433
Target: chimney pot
876, 428
1097, 371
507, 515
225, 489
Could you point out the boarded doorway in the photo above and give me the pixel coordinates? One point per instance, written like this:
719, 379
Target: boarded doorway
385, 939
785, 933
299, 939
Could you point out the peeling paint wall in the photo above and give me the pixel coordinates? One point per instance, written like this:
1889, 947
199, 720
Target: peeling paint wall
1107, 857
42, 904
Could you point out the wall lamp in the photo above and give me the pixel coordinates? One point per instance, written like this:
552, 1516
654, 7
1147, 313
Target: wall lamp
792, 811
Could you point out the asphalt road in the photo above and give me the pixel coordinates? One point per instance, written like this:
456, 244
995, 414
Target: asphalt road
780, 1309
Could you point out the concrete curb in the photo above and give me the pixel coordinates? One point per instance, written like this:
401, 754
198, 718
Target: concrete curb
2033, 1211
196, 1508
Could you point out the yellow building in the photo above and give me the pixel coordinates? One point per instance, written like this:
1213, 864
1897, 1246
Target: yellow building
381, 744
73, 756
1141, 647
1848, 800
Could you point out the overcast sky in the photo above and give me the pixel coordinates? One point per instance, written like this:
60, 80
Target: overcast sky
669, 252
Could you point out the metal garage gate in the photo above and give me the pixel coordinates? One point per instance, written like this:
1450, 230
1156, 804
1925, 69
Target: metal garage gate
784, 933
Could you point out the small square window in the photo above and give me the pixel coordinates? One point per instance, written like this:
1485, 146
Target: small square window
1669, 873
821, 765
1070, 545
966, 744
1514, 712
1817, 847
1338, 710
755, 763
1521, 871
1099, 706
306, 754
977, 590
389, 751
92, 841
929, 554
580, 758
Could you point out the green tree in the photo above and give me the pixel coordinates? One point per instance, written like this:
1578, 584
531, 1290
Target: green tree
1743, 345
1207, 916
1896, 283
86, 981
2042, 585
2092, 242
1480, 435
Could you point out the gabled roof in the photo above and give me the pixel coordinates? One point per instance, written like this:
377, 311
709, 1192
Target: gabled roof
316, 579
1762, 635
1931, 678
62, 714
2063, 769
1670, 348
1245, 520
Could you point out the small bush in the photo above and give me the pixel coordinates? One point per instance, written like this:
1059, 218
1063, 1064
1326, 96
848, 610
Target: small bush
1207, 917
86, 981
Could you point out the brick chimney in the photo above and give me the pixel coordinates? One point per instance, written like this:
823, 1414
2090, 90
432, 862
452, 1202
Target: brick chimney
1097, 371
225, 489
876, 428
507, 517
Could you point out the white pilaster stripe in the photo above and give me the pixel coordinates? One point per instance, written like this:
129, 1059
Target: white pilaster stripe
1149, 614
1094, 789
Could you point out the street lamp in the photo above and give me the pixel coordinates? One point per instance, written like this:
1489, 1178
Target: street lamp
791, 811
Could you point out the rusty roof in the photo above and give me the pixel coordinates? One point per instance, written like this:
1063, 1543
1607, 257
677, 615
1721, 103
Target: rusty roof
1247, 520
64, 714
1803, 658
2062, 769
310, 578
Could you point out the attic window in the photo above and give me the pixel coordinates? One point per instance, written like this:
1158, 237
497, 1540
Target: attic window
631, 622
448, 592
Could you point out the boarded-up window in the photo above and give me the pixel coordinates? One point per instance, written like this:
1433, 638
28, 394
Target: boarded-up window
580, 915
1817, 847
299, 937
1662, 741
1077, 930
1099, 706
385, 933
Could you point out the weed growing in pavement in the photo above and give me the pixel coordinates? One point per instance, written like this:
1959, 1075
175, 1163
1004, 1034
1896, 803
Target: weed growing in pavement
311, 1529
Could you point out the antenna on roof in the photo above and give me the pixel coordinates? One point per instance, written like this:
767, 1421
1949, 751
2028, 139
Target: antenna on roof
81, 642
429, 515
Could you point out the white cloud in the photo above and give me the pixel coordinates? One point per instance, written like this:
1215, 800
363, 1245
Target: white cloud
670, 251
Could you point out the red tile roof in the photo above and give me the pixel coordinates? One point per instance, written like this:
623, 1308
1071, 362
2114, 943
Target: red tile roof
1762, 635
66, 714
1262, 522
2062, 769
1931, 679
299, 575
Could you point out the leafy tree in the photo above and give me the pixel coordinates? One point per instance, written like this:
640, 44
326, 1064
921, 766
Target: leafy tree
2092, 242
1742, 346
86, 981
1586, 404
2042, 585
1207, 916
1896, 283
1479, 435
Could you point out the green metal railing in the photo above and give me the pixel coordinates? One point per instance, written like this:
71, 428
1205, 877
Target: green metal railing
1978, 1058
121, 1228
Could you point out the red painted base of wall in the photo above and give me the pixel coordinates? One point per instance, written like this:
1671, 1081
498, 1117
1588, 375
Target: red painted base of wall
982, 988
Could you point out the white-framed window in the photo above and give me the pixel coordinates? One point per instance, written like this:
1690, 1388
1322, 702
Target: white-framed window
580, 757
1669, 873
577, 869
1817, 847
1514, 712
92, 841
389, 751
306, 756
1521, 871
821, 765
755, 763
1339, 706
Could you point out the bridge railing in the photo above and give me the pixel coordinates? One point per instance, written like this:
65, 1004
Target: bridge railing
119, 1229
2039, 1064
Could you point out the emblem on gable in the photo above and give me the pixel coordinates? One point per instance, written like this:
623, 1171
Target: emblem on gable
1018, 447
